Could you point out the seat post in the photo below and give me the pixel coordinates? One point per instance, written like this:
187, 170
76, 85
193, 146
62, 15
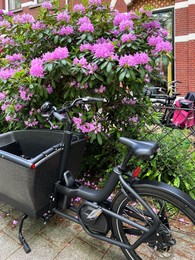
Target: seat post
123, 165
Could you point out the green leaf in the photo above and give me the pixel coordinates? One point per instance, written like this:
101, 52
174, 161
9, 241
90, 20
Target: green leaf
109, 67
104, 65
122, 75
56, 39
99, 138
79, 77
89, 38
49, 67
98, 77
177, 182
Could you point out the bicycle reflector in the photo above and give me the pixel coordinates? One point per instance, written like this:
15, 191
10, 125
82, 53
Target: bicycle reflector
32, 166
136, 172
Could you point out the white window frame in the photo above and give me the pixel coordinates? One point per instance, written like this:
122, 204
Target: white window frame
7, 4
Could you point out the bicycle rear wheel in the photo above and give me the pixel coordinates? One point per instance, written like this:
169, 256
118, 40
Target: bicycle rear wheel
175, 237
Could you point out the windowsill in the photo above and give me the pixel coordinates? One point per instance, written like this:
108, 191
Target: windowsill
34, 6
16, 10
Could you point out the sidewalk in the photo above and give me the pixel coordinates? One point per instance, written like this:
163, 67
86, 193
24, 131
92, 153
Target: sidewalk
59, 239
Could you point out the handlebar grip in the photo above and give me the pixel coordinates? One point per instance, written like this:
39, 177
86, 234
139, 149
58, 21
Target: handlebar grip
59, 117
91, 99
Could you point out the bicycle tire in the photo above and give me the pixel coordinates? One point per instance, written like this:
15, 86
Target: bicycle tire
180, 214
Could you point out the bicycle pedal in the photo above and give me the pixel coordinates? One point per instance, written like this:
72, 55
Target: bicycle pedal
94, 214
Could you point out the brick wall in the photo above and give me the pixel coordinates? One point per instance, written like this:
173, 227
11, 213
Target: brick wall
185, 44
153, 3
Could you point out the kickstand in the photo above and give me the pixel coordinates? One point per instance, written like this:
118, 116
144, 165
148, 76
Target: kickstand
20, 236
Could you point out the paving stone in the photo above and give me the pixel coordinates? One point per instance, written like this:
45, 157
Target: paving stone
99, 244
114, 253
30, 228
60, 233
5, 221
7, 246
41, 249
78, 249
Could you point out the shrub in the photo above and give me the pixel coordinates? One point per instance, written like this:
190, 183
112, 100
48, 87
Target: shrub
91, 51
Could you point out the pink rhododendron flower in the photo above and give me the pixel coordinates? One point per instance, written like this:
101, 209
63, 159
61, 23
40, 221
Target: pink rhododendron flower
58, 53
14, 57
95, 2
49, 89
30, 123
152, 24
66, 30
160, 44
84, 19
47, 5
24, 18
8, 118
81, 62
133, 60
18, 107
128, 37
24, 94
86, 27
79, 8
38, 26
37, 68
103, 50
7, 73
5, 24
6, 40
119, 17
4, 107
2, 95
85, 47
100, 90
63, 16
128, 101
125, 25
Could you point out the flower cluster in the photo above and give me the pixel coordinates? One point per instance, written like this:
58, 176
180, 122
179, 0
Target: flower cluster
24, 18
85, 25
47, 5
38, 26
63, 16
7, 73
86, 127
134, 60
159, 44
79, 8
91, 68
66, 30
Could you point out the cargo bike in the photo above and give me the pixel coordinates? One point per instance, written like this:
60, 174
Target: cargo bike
38, 172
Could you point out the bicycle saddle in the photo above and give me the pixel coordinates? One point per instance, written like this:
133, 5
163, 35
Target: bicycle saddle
140, 148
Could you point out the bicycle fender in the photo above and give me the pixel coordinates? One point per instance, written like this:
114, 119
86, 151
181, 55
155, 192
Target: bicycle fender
165, 188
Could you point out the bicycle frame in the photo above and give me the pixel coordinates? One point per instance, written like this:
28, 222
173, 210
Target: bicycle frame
97, 198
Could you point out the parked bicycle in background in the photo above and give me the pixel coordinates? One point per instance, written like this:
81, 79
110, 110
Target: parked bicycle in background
174, 112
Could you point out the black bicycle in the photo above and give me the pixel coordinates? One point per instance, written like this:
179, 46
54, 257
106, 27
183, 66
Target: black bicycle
38, 177
166, 106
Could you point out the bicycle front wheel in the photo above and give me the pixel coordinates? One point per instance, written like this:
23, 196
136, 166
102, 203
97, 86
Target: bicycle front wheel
173, 239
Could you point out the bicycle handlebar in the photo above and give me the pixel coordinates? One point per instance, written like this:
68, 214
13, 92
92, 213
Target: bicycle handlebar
59, 117
48, 109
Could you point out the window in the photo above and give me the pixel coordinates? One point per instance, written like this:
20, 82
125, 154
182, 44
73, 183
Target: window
166, 19
14, 4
